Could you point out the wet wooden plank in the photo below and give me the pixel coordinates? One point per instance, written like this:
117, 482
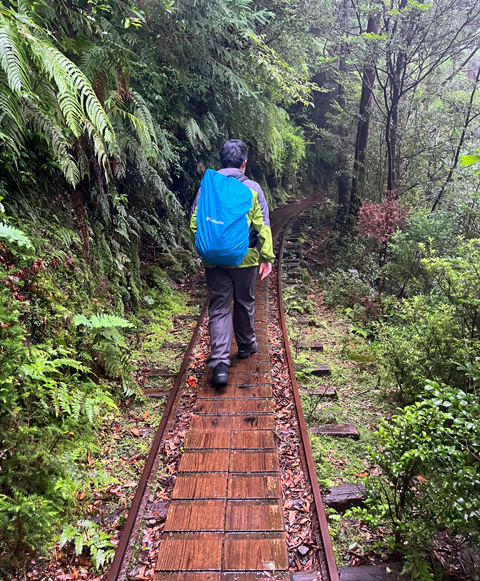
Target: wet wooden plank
261, 339
190, 486
256, 515
293, 263
250, 366
244, 366
231, 423
253, 422
316, 346
345, 496
215, 440
170, 345
178, 576
373, 573
207, 461
252, 440
321, 370
255, 552
257, 576
306, 576
251, 486
330, 391
157, 372
249, 461
158, 392
207, 391
233, 406
190, 552
195, 515
235, 378
259, 357
261, 348
245, 391
336, 430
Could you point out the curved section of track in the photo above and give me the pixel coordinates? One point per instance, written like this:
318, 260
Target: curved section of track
225, 521
280, 225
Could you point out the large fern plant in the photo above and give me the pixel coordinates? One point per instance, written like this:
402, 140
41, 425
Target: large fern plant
42, 87
75, 111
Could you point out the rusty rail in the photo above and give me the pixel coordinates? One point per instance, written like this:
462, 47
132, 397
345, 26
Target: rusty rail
117, 571
121, 562
305, 442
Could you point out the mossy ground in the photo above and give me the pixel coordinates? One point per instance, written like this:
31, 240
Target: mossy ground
126, 437
360, 400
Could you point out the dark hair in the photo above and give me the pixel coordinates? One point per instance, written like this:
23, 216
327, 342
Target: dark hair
233, 153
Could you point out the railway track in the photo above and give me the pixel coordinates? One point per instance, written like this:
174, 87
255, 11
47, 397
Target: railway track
226, 519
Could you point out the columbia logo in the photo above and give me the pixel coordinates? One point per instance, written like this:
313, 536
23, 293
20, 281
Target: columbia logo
214, 221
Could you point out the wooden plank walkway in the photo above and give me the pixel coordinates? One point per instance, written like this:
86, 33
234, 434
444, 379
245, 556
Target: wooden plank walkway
226, 522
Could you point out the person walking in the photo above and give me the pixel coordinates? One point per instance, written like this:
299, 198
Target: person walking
237, 280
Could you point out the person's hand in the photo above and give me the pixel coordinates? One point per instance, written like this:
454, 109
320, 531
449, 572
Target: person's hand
265, 269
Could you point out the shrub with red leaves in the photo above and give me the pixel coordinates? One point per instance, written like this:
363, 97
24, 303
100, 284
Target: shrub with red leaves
380, 221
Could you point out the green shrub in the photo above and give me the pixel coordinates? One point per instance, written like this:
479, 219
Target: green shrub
345, 288
429, 457
436, 336
430, 472
406, 274
417, 341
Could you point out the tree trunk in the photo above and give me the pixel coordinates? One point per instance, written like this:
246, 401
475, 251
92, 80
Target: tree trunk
342, 179
395, 70
363, 126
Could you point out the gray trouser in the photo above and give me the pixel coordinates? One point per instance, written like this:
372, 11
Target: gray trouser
225, 284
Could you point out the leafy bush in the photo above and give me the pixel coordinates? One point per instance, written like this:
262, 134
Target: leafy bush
381, 221
429, 457
423, 232
345, 288
48, 410
52, 394
437, 336
416, 342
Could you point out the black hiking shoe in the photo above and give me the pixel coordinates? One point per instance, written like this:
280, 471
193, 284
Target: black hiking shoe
244, 351
220, 375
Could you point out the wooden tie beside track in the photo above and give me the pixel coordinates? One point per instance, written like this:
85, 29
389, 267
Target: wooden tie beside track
226, 515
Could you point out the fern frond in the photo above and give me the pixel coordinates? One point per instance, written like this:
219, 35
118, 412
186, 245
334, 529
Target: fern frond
143, 113
63, 398
101, 321
59, 146
66, 237
12, 235
81, 320
76, 95
142, 132
12, 57
70, 363
166, 197
195, 135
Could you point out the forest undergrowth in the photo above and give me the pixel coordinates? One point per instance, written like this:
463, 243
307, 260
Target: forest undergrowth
110, 113
406, 374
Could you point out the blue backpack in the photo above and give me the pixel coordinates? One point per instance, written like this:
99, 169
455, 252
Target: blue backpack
222, 224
